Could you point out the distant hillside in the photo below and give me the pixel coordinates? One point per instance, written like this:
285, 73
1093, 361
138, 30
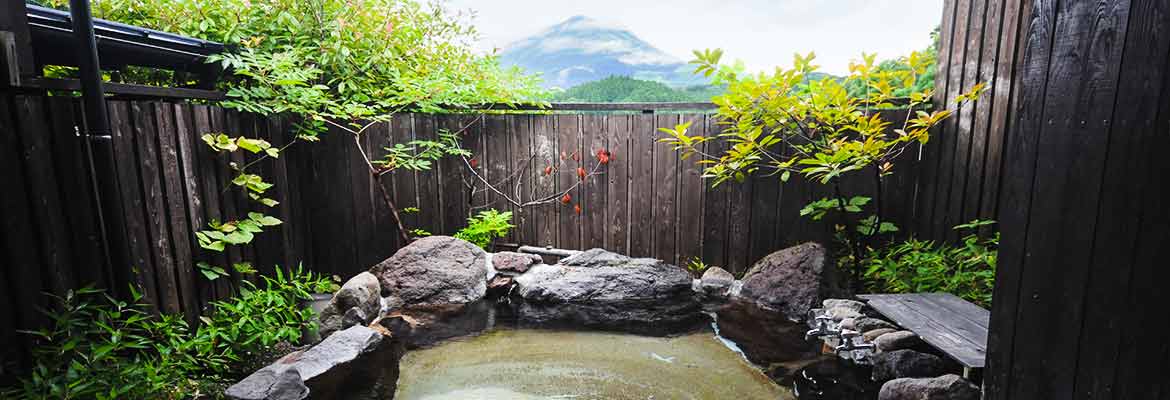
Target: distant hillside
623, 89
582, 49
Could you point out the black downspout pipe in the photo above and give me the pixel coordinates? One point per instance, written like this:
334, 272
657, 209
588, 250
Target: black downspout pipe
97, 141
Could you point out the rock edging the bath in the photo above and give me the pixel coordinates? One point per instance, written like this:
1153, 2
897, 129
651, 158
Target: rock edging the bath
435, 270
291, 377
946, 387
793, 280
606, 290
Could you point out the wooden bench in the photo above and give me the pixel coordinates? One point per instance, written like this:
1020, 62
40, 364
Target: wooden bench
952, 325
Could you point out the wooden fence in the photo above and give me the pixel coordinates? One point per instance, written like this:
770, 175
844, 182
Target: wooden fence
157, 183
645, 202
1082, 204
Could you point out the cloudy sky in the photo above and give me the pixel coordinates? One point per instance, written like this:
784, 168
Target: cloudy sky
762, 33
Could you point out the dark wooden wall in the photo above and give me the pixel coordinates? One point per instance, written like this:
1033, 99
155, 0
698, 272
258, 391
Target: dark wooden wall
1079, 308
962, 166
646, 202
159, 183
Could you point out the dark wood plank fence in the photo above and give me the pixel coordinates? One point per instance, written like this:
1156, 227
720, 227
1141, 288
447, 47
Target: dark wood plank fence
159, 183
645, 202
1082, 206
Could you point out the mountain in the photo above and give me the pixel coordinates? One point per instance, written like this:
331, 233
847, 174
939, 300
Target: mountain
623, 89
582, 49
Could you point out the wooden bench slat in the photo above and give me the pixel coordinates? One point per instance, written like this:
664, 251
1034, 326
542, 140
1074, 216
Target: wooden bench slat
952, 328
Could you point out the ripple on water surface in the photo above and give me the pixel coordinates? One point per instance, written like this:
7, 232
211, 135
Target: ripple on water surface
544, 364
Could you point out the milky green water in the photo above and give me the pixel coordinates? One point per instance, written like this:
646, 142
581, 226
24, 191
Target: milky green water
541, 364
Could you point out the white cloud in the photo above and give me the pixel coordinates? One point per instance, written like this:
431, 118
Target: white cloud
763, 33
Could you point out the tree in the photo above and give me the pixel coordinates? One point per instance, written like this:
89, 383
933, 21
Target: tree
782, 123
342, 65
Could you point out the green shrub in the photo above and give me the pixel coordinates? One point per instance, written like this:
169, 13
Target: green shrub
99, 347
966, 270
485, 226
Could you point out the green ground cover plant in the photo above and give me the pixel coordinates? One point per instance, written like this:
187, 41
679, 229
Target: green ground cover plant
966, 269
100, 347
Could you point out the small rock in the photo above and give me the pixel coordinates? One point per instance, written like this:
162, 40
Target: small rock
513, 263
897, 340
843, 303
874, 334
866, 324
849, 323
716, 281
499, 283
361, 293
906, 364
947, 387
840, 313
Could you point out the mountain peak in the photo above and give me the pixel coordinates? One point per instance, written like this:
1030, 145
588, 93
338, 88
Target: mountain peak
582, 49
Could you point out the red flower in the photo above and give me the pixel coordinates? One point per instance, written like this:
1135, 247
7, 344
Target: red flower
581, 173
566, 198
577, 208
548, 170
603, 156
474, 163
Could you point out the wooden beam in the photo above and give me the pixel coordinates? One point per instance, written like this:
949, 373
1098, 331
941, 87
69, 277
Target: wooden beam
125, 89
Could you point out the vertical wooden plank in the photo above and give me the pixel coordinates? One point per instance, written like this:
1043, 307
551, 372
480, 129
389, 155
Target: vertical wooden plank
1037, 26
451, 175
1141, 94
209, 165
762, 226
496, 160
385, 230
288, 249
367, 250
226, 191
641, 188
929, 153
236, 198
145, 140
73, 177
521, 164
1071, 154
595, 210
141, 270
690, 200
739, 216
54, 243
1004, 92
23, 267
618, 177
187, 138
430, 207
981, 128
965, 122
405, 194
476, 144
569, 148
665, 193
715, 204
547, 158
949, 131
176, 211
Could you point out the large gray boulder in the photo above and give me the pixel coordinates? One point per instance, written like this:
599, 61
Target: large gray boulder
947, 387
435, 270
601, 289
291, 377
906, 364
792, 281
359, 298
